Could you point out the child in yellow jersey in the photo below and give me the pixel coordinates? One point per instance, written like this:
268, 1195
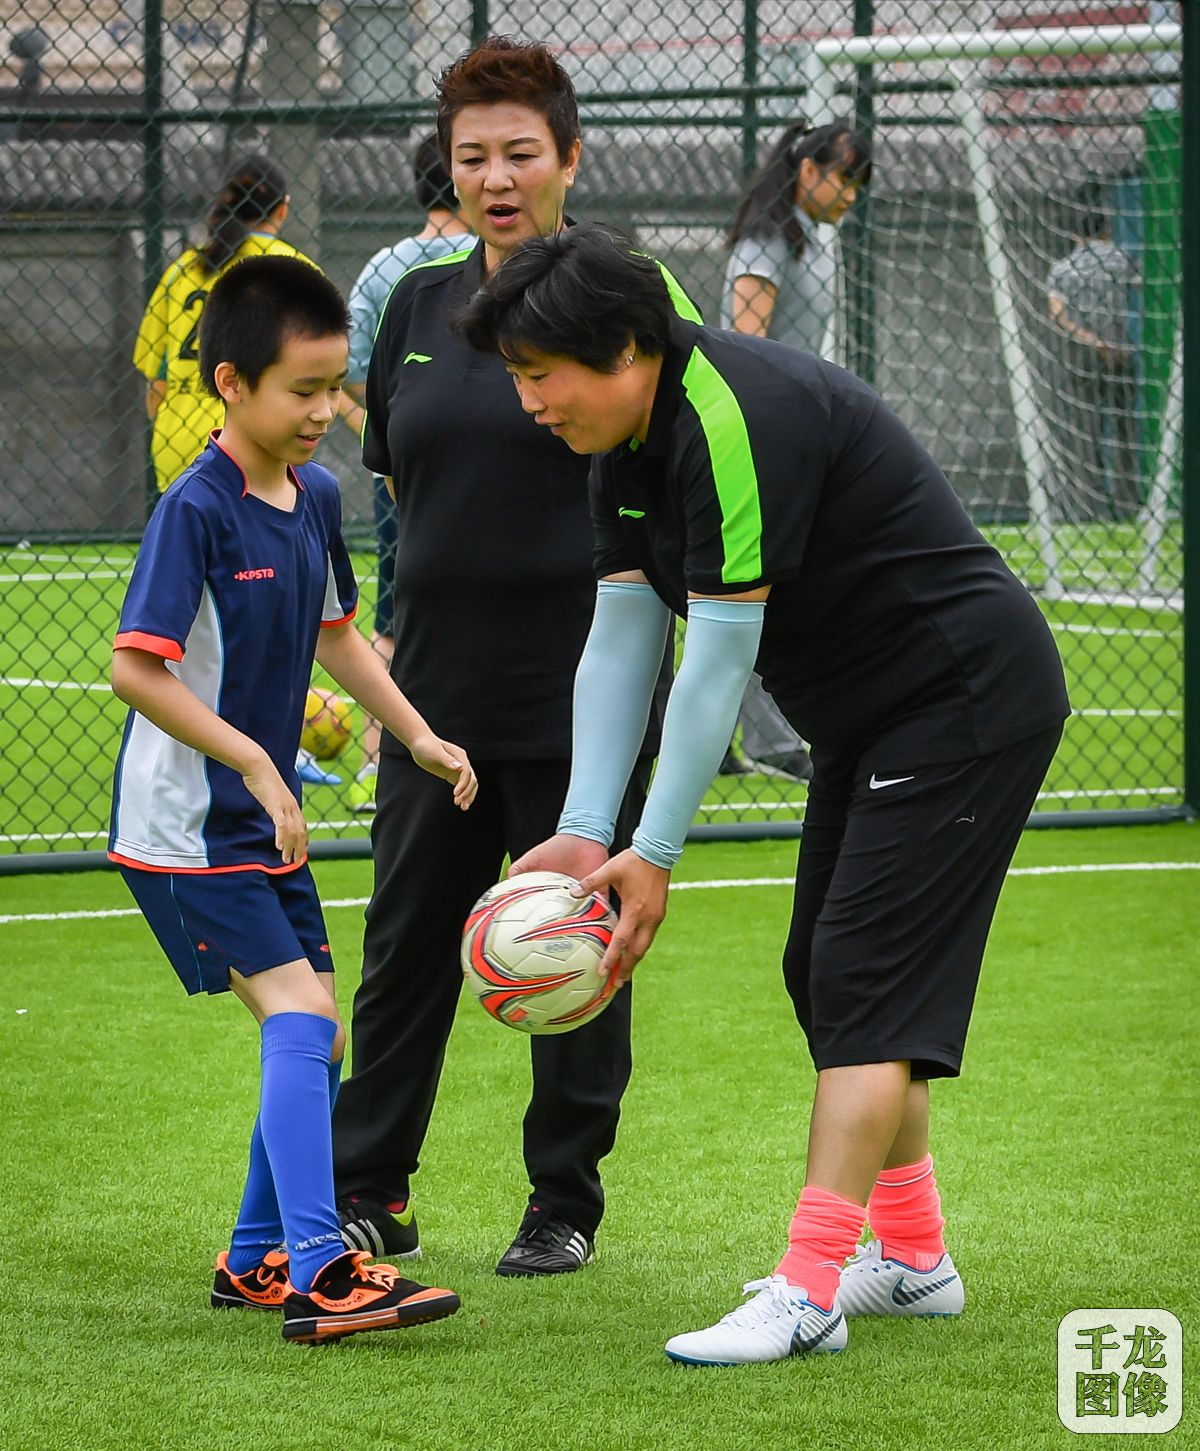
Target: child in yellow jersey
244, 221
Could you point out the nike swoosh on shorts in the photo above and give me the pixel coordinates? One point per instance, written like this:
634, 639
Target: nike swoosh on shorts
877, 785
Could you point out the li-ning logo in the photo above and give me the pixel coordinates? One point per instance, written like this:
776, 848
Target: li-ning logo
254, 574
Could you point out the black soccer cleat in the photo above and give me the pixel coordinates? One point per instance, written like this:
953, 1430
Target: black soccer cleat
370, 1223
545, 1245
263, 1288
350, 1296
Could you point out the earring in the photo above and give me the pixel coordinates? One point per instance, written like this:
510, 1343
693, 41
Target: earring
629, 361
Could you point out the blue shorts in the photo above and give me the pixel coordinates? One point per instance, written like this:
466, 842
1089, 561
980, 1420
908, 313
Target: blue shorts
210, 922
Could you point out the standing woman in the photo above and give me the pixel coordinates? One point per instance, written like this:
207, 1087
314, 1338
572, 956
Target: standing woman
443, 233
244, 221
781, 283
493, 602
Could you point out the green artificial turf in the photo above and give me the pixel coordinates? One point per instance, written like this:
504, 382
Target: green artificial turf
1065, 1155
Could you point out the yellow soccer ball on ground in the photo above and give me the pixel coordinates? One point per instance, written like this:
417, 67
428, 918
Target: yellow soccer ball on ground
327, 725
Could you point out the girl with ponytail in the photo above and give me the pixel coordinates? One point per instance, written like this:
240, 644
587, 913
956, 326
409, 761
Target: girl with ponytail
779, 282
243, 221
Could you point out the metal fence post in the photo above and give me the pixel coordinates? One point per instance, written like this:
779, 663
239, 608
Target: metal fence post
1191, 403
860, 271
153, 181
291, 68
749, 80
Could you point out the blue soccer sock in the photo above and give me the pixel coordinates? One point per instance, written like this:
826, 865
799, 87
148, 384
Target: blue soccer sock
259, 1228
297, 1080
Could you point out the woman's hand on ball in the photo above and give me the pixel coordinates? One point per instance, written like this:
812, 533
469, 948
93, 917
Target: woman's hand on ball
642, 888
573, 856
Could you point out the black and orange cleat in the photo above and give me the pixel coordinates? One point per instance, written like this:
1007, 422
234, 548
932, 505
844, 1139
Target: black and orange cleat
349, 1296
263, 1288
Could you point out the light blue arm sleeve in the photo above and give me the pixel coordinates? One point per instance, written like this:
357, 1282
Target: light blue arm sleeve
614, 688
718, 656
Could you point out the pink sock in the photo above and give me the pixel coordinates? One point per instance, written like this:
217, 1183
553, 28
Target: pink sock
905, 1211
824, 1230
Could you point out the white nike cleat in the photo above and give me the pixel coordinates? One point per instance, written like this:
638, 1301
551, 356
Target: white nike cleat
872, 1285
780, 1321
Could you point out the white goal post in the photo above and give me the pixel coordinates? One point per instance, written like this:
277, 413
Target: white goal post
964, 51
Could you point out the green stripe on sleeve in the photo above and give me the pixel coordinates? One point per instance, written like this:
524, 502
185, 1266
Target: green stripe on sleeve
445, 261
680, 301
458, 256
732, 465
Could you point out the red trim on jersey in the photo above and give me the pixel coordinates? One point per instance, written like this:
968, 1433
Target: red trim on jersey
345, 620
152, 644
127, 861
215, 438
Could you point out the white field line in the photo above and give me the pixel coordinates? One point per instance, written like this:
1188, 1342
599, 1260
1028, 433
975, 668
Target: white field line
716, 885
1172, 603
23, 682
37, 556
50, 575
1166, 633
1121, 792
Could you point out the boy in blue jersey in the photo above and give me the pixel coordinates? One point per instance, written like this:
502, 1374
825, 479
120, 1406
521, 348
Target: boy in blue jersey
241, 581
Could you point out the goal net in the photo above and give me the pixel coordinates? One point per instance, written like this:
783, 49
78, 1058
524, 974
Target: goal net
1017, 296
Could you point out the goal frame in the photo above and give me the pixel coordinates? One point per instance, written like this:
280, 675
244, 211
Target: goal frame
965, 50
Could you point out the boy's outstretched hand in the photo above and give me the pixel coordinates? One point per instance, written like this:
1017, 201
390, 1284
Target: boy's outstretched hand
440, 758
267, 787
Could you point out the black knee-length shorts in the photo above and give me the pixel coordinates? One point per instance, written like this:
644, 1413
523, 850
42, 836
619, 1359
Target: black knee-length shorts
899, 875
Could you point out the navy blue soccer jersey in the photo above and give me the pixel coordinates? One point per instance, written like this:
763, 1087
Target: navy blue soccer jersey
231, 592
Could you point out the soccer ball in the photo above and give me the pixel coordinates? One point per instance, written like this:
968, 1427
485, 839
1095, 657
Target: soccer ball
326, 732
531, 953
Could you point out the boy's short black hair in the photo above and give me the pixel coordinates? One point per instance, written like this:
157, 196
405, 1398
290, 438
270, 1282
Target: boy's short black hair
256, 305
583, 294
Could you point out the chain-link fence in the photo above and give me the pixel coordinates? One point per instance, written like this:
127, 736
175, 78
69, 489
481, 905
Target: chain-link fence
976, 207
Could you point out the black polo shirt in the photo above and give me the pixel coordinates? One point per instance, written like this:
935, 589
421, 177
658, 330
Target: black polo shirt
892, 626
494, 591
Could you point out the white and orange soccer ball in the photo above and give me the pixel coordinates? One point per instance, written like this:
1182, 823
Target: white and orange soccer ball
328, 724
531, 953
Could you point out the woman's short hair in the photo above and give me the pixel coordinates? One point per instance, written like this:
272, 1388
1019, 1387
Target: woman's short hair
583, 294
502, 68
